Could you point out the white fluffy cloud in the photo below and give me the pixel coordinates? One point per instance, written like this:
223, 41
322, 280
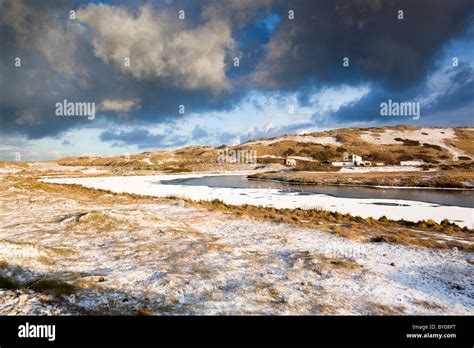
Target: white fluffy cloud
159, 45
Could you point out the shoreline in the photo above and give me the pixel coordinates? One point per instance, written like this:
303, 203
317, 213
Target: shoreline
292, 182
392, 209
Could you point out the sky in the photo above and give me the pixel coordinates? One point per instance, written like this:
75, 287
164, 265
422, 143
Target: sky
172, 73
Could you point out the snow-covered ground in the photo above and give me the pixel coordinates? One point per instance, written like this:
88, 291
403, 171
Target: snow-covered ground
47, 166
433, 136
10, 170
392, 209
147, 161
174, 259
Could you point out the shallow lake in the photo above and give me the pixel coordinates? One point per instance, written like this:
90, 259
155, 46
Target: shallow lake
442, 197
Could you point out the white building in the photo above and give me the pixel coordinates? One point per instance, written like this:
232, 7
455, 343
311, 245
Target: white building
290, 162
356, 162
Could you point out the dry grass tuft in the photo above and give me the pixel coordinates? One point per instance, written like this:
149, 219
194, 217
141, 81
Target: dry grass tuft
381, 309
428, 305
52, 287
422, 234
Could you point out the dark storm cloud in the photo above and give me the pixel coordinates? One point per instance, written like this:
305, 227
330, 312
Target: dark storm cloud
61, 59
367, 109
64, 59
57, 63
397, 53
459, 95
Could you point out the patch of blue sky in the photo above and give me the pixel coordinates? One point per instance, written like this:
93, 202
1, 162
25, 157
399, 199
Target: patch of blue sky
251, 41
271, 21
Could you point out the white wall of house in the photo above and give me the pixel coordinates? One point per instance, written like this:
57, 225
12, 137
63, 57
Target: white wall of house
357, 160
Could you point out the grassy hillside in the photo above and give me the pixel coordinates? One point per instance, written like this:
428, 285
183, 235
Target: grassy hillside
438, 147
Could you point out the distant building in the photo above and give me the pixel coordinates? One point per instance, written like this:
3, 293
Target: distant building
356, 162
412, 163
290, 162
379, 164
